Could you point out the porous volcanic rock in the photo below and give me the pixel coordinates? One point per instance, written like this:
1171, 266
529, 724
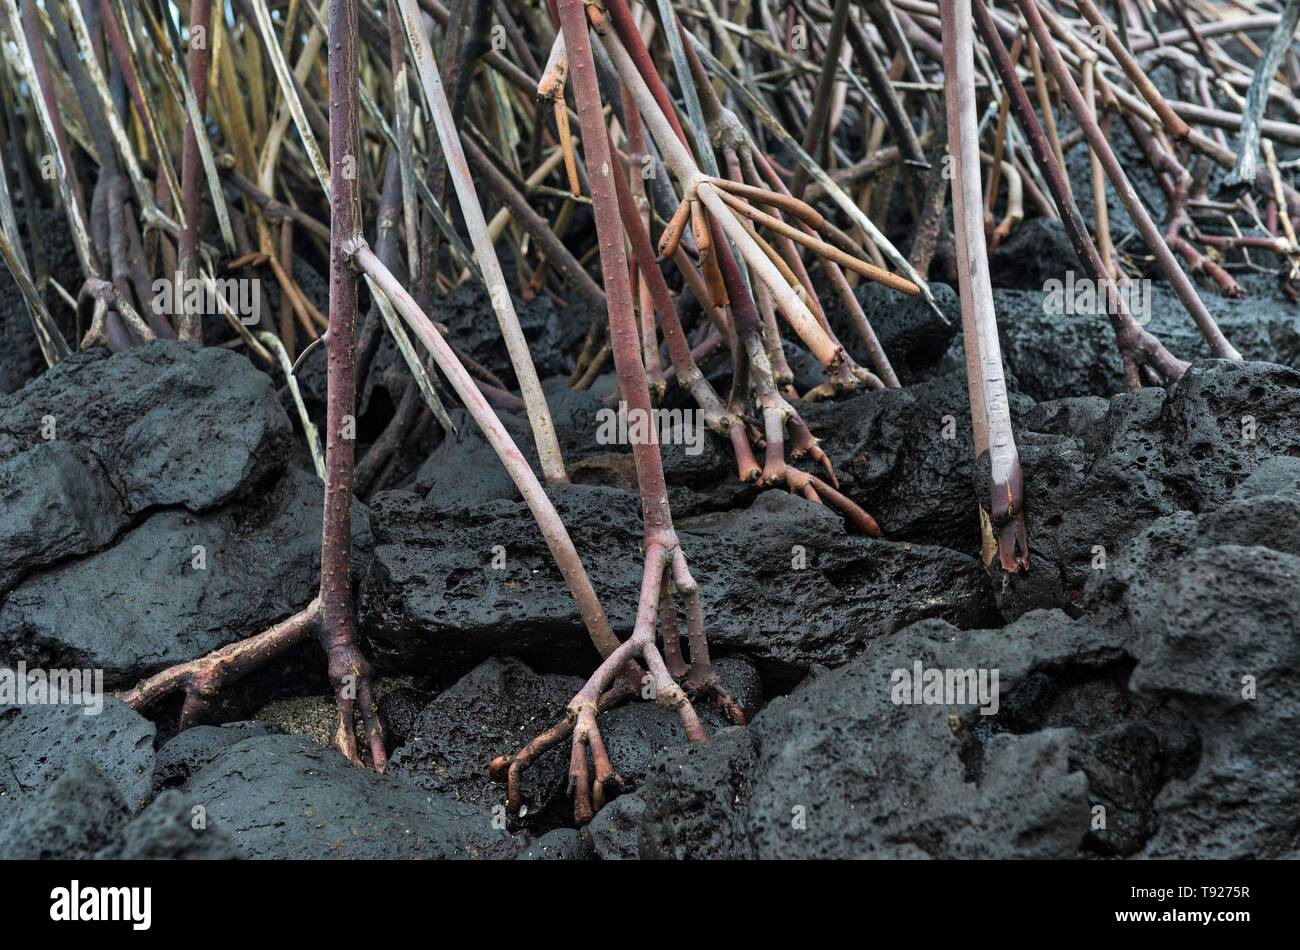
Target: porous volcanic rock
559, 844
1145, 724
100, 441
187, 752
1154, 453
286, 796
1037, 251
914, 337
637, 733
501, 705
75, 816
1212, 601
176, 586
902, 780
614, 831
464, 470
781, 582
495, 709
171, 424
38, 743
171, 829
1054, 355
907, 456
55, 503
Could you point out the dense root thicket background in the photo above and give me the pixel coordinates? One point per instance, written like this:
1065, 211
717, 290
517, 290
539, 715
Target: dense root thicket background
1165, 550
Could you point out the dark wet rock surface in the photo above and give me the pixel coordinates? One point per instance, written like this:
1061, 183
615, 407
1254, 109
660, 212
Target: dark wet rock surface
58, 504
1095, 471
428, 596
1053, 355
98, 443
494, 710
698, 800
159, 419
176, 586
887, 780
1104, 746
1212, 601
1153, 454
187, 752
638, 733
40, 742
464, 471
1056, 343
1038, 250
72, 818
80, 815
614, 831
151, 511
289, 797
500, 705
401, 710
172, 828
804, 593
1144, 723
562, 844
914, 337
906, 456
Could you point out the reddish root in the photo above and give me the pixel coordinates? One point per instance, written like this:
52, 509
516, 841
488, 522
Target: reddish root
814, 489
1008, 521
671, 239
673, 658
592, 778
803, 443
350, 673
1203, 263
509, 769
746, 465
701, 679
201, 679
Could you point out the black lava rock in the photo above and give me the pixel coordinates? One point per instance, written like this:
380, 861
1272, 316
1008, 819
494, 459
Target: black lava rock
187, 752
614, 831
501, 705
913, 336
1211, 601
38, 743
288, 797
56, 503
837, 769
176, 586
1153, 454
561, 844
171, 829
805, 592
496, 709
75, 816
171, 424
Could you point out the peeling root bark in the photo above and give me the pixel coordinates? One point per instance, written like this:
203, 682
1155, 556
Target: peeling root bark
203, 678
990, 410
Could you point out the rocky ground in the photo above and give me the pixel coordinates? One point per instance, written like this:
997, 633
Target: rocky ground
1149, 663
